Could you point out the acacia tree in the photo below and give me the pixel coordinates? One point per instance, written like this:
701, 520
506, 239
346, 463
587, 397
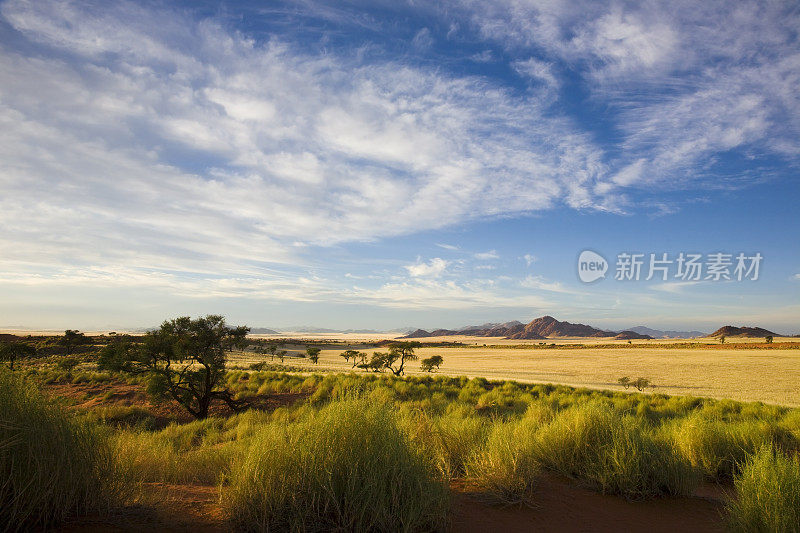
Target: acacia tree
377, 362
11, 351
185, 360
355, 355
402, 352
70, 339
313, 354
272, 348
430, 362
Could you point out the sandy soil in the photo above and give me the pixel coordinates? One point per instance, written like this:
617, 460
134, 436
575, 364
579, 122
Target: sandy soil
557, 505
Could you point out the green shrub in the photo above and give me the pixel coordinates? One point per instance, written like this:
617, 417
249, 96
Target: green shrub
448, 440
51, 466
506, 466
348, 467
768, 494
615, 453
719, 447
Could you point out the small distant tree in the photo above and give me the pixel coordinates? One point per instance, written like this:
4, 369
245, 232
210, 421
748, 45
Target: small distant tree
401, 352
313, 354
281, 354
238, 338
768, 339
431, 362
11, 351
354, 356
184, 360
641, 384
625, 381
377, 362
722, 339
71, 339
272, 348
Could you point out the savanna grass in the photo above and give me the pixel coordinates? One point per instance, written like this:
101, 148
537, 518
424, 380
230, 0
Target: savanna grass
51, 466
768, 494
348, 467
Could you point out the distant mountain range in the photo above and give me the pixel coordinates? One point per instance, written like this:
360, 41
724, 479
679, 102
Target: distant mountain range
540, 328
666, 334
744, 331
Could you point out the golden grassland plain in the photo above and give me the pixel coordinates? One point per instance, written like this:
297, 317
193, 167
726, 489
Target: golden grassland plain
770, 376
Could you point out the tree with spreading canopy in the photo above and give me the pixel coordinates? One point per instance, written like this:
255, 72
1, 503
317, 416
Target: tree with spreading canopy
431, 362
71, 339
184, 360
356, 356
402, 352
11, 351
313, 354
377, 362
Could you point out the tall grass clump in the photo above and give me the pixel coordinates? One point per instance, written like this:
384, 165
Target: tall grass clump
348, 467
51, 466
718, 447
506, 465
768, 494
447, 440
617, 454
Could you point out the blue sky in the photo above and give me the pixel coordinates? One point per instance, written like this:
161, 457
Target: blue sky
388, 164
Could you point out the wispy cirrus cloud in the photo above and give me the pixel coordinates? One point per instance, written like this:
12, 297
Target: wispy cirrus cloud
181, 137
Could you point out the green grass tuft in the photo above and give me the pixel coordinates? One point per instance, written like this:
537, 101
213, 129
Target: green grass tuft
768, 494
348, 467
51, 466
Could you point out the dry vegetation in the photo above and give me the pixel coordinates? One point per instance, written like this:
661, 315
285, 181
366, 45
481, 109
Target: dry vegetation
366, 451
723, 371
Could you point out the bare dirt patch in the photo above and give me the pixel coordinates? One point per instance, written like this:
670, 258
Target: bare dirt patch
163, 507
560, 505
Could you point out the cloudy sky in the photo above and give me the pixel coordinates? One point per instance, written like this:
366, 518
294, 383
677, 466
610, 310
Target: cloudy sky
376, 164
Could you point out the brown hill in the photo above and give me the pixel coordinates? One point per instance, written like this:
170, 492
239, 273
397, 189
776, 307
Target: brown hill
629, 335
548, 326
540, 328
733, 331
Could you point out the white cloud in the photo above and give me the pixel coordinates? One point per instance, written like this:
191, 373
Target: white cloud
684, 81
192, 145
433, 268
446, 246
540, 71
423, 39
530, 259
674, 287
434, 294
540, 283
487, 256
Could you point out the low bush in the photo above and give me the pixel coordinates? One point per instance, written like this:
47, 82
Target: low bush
719, 447
506, 465
348, 467
617, 454
768, 494
51, 466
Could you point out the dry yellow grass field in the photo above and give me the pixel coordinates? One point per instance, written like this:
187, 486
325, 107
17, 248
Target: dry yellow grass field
770, 376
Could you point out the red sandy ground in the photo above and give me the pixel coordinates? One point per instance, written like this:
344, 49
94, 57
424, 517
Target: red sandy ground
558, 505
